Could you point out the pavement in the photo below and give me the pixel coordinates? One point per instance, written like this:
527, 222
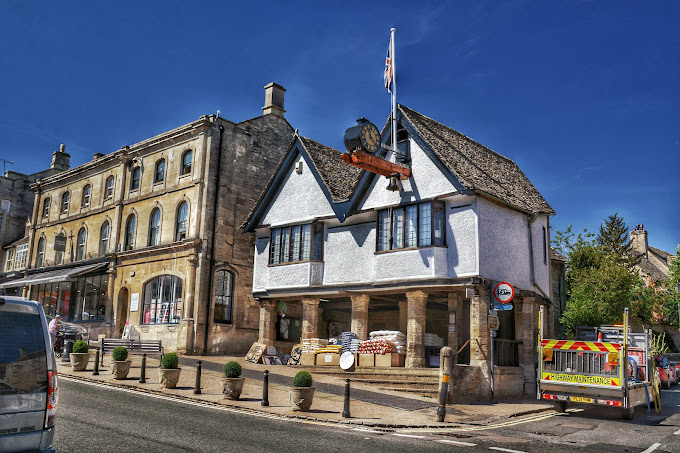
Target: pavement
369, 406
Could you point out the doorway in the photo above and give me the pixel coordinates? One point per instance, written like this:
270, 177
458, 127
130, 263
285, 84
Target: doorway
122, 311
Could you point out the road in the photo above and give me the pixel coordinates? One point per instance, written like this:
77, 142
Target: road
95, 418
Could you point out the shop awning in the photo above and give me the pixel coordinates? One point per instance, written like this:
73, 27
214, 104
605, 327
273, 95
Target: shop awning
61, 275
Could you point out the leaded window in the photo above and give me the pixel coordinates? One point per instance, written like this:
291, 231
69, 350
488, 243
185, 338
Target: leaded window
296, 243
224, 295
418, 225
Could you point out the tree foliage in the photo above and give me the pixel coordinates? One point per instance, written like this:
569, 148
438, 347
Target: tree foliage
614, 240
673, 289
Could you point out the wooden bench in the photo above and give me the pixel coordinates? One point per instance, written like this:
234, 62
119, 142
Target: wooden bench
133, 346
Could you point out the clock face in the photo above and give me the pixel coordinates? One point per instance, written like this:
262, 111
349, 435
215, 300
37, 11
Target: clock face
370, 137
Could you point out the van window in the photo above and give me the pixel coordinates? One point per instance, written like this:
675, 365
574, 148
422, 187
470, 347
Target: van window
23, 358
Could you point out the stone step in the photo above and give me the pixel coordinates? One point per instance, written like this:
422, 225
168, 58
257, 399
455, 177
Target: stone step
400, 383
428, 392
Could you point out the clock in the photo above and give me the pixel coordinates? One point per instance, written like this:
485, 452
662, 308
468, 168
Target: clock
370, 138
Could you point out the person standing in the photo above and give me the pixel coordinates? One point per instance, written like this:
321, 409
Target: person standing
53, 327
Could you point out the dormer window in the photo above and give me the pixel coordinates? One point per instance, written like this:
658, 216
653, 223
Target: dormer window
296, 243
418, 225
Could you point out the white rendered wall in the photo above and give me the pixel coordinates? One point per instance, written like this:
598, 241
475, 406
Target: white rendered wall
300, 199
349, 253
461, 236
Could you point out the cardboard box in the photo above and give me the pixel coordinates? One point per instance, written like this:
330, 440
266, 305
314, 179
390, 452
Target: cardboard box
307, 359
390, 360
328, 359
366, 360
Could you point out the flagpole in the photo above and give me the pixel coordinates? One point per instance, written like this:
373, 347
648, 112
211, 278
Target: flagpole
394, 94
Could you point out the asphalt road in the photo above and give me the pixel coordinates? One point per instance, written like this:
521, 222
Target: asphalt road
95, 418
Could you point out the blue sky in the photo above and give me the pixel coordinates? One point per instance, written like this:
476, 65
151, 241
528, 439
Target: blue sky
584, 96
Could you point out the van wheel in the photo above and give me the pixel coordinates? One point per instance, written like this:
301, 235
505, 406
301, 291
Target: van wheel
561, 406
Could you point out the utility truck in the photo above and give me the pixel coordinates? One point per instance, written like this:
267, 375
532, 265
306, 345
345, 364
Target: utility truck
607, 366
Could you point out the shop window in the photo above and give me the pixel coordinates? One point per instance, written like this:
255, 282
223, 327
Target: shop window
108, 188
130, 232
40, 254
159, 174
162, 300
419, 225
182, 221
224, 295
135, 176
87, 190
46, 207
186, 162
104, 235
64, 202
288, 329
297, 243
81, 243
155, 227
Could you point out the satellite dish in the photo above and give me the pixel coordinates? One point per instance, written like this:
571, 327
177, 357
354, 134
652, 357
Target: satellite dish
347, 361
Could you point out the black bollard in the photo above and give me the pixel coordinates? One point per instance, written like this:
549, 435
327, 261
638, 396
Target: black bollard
68, 348
142, 376
96, 363
265, 389
441, 410
345, 411
197, 385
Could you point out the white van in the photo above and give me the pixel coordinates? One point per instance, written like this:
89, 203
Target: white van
28, 377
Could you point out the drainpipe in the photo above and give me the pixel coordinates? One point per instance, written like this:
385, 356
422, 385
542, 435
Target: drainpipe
532, 219
212, 244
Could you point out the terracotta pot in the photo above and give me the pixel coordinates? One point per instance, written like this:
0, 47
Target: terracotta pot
301, 398
168, 377
79, 360
232, 387
120, 369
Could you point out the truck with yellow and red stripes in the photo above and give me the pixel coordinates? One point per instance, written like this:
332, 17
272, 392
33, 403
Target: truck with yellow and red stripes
613, 368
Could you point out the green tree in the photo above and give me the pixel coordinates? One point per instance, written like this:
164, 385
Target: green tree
614, 240
673, 289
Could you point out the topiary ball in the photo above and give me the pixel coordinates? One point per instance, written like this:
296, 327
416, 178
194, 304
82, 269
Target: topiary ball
79, 347
170, 360
232, 369
302, 379
119, 354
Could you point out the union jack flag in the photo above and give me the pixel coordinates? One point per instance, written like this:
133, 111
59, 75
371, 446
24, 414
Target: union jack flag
388, 68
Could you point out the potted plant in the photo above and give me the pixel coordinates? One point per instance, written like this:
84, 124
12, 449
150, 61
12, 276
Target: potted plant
232, 382
120, 366
168, 373
302, 392
79, 356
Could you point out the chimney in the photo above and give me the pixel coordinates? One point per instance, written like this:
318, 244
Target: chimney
273, 100
638, 239
60, 160
96, 156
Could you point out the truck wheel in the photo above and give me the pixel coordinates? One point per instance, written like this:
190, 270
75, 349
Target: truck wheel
561, 406
628, 413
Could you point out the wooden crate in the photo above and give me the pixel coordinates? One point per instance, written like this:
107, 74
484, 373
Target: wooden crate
390, 360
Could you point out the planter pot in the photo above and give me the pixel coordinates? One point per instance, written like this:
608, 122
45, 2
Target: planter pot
120, 369
232, 387
168, 377
79, 360
301, 398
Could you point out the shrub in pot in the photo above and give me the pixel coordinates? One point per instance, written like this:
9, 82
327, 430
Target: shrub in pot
120, 366
232, 382
79, 356
168, 373
302, 392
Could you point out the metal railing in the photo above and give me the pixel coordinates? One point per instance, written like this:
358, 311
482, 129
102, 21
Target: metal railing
581, 362
506, 352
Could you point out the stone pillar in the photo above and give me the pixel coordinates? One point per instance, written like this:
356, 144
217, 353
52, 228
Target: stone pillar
267, 322
310, 317
527, 331
360, 315
191, 286
454, 302
415, 334
480, 340
403, 316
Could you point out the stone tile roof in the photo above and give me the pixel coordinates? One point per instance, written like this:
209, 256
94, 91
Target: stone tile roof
476, 166
648, 268
340, 179
663, 256
557, 256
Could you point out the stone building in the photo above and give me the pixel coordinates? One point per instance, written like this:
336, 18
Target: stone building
654, 262
335, 251
148, 235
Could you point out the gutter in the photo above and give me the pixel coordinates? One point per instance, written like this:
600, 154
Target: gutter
532, 218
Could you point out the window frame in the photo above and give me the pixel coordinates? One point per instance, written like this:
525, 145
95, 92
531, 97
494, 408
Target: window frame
178, 222
159, 177
229, 295
385, 224
186, 169
86, 197
65, 201
154, 237
104, 243
21, 256
40, 253
159, 303
47, 202
129, 238
310, 239
135, 178
111, 188
81, 247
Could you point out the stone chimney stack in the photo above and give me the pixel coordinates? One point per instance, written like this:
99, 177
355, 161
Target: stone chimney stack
638, 239
61, 160
273, 100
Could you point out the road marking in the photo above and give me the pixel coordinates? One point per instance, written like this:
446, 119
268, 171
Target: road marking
408, 435
506, 449
456, 442
677, 432
652, 448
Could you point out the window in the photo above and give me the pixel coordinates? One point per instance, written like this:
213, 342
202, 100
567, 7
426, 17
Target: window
296, 243
58, 257
159, 174
181, 223
186, 162
162, 300
130, 232
420, 225
46, 207
40, 254
20, 257
9, 260
104, 235
64, 202
134, 178
108, 188
87, 190
155, 227
81, 243
224, 291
